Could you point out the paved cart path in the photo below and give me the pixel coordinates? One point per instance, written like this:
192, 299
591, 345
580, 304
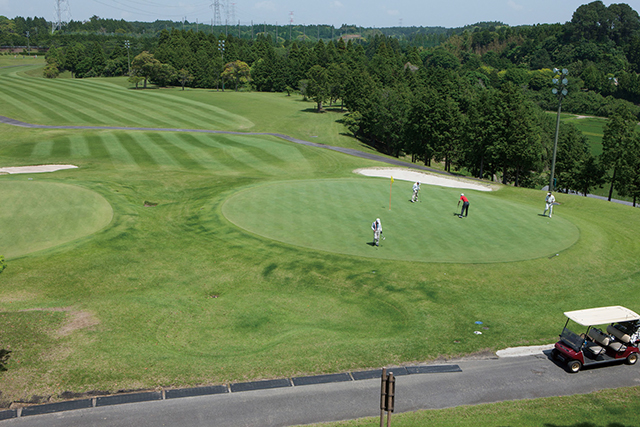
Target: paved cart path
478, 381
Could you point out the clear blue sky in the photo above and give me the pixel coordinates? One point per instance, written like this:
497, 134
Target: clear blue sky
366, 13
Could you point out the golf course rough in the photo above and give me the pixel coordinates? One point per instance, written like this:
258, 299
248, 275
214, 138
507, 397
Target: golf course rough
40, 215
335, 215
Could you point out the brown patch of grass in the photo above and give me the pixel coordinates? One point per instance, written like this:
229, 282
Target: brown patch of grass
76, 319
17, 297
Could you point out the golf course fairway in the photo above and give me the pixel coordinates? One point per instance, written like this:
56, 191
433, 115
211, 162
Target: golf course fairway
39, 215
336, 215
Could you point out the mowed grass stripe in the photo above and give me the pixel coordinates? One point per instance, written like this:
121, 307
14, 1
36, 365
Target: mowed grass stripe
275, 151
96, 103
136, 151
171, 111
198, 151
100, 107
258, 160
179, 109
212, 145
121, 113
61, 148
36, 110
177, 150
67, 112
160, 156
96, 110
232, 144
98, 149
206, 112
119, 155
80, 147
42, 150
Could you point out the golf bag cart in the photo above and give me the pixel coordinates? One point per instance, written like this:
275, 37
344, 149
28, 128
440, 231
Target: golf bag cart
616, 339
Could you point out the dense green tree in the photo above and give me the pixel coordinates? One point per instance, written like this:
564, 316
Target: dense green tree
145, 66
517, 144
238, 72
184, 77
616, 142
589, 175
318, 85
628, 182
51, 71
163, 75
336, 80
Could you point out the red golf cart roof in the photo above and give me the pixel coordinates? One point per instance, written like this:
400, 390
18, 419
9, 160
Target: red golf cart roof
602, 315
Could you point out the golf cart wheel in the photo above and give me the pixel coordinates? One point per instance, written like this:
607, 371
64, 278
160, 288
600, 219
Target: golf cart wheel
632, 359
554, 354
575, 366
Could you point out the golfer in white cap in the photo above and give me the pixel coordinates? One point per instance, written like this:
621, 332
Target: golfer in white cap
377, 230
416, 190
549, 200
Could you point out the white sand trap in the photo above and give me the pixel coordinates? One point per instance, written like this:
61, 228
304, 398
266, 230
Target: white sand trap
424, 178
35, 169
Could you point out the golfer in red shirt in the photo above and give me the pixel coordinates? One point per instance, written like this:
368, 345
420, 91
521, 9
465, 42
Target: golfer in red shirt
465, 206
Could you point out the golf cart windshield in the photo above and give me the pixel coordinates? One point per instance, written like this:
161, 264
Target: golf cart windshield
572, 339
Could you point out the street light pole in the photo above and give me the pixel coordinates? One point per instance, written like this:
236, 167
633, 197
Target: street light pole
126, 45
561, 91
221, 48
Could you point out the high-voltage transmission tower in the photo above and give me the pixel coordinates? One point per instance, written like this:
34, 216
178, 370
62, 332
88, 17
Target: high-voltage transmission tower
217, 19
290, 23
62, 14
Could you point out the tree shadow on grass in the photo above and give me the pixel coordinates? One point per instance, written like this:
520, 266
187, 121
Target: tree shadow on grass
4, 358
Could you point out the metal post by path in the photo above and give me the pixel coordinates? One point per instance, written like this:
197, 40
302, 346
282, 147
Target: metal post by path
391, 393
383, 396
387, 396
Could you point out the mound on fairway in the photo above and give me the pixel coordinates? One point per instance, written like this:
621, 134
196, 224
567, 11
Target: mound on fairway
336, 216
41, 215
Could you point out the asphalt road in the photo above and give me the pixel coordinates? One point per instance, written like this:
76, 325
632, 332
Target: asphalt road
481, 381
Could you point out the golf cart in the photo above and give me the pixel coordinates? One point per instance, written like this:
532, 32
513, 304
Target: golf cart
619, 340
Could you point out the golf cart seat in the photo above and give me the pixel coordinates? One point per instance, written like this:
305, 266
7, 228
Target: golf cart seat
618, 334
624, 338
600, 341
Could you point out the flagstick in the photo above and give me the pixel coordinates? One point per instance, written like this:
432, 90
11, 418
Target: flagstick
390, 188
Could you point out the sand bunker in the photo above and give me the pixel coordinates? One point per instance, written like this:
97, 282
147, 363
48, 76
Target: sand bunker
424, 178
35, 169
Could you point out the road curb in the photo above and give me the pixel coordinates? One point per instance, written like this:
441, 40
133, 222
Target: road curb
165, 394
524, 351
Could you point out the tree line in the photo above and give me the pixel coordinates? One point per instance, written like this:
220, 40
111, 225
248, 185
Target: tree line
474, 101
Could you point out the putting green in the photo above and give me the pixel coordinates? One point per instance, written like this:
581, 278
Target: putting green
336, 216
41, 215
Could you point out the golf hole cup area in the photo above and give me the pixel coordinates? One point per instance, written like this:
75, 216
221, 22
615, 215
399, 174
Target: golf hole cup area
335, 215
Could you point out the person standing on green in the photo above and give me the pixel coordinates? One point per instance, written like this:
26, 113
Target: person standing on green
377, 230
465, 205
416, 190
550, 200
